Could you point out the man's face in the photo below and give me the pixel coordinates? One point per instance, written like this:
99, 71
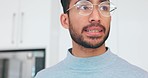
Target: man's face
89, 31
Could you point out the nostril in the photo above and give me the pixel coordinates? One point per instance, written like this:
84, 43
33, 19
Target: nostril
92, 20
94, 16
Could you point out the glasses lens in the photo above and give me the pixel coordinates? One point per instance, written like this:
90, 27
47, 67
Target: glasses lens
106, 8
84, 7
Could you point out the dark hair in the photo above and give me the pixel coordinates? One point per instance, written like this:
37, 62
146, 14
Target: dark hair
65, 4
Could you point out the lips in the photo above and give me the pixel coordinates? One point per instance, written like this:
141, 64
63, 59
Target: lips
94, 31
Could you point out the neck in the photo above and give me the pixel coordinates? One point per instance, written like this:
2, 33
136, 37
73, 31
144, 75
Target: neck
80, 51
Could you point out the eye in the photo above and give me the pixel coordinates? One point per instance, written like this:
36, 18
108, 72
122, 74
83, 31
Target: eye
104, 8
83, 7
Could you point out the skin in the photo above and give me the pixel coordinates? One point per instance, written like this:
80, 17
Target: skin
77, 22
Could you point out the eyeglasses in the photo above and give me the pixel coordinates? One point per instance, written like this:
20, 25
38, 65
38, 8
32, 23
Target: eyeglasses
85, 8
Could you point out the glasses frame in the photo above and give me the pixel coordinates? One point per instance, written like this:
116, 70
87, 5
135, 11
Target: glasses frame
75, 5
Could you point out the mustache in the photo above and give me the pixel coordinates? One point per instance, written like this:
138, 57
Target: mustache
94, 24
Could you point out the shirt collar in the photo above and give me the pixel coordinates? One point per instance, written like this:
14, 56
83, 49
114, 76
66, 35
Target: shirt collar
91, 62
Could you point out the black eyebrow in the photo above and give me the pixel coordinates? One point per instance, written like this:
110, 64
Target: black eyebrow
89, 0
99, 0
103, 0
81, 0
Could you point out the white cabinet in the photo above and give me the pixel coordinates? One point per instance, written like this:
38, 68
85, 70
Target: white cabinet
35, 22
24, 23
8, 22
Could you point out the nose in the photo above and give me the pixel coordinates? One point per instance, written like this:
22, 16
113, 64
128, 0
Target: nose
95, 16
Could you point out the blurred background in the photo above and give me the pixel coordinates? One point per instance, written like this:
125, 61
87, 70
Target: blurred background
32, 38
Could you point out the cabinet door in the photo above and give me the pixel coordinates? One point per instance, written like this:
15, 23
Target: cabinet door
8, 22
35, 21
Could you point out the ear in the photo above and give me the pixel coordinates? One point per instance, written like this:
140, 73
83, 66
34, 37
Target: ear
64, 20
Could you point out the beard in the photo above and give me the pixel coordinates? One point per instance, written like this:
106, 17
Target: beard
79, 38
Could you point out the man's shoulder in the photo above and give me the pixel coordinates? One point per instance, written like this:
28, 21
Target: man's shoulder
129, 69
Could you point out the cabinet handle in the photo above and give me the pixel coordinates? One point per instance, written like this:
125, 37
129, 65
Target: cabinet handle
21, 28
13, 28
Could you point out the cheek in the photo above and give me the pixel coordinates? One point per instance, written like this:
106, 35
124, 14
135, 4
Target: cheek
106, 22
75, 26
77, 23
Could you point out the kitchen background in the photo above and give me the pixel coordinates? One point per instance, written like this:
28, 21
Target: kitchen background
31, 35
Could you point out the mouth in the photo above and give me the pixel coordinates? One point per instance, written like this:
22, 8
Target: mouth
94, 31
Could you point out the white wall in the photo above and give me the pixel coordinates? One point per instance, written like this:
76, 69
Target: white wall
133, 25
